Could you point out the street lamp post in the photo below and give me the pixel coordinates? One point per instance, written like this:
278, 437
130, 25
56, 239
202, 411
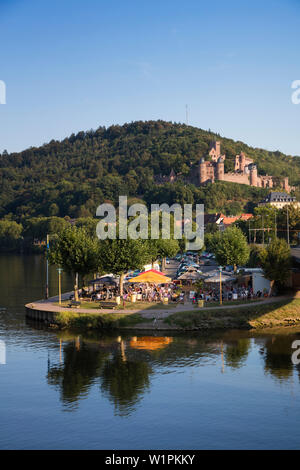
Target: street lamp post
47, 270
59, 284
220, 269
287, 224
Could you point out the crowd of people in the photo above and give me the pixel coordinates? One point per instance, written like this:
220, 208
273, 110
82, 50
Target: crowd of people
173, 293
229, 292
151, 292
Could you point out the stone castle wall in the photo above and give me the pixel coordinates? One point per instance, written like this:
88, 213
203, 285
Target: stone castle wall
236, 178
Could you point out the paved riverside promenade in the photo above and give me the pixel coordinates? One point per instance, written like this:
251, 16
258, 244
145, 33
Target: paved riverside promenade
49, 306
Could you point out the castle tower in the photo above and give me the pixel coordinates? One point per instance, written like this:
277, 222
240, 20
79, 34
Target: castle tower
237, 163
242, 161
253, 175
286, 185
202, 171
220, 169
215, 150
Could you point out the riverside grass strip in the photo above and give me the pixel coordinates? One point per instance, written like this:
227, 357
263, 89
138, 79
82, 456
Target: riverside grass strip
77, 320
284, 313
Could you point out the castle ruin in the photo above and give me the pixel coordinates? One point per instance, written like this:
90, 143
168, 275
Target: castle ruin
245, 171
209, 171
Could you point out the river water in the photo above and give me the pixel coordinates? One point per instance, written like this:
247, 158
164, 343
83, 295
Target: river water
58, 390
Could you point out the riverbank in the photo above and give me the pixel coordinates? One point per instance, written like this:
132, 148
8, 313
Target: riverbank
268, 313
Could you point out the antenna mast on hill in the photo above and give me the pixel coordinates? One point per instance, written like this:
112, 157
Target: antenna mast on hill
187, 114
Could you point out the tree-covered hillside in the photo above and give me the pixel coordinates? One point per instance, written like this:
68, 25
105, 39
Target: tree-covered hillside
74, 176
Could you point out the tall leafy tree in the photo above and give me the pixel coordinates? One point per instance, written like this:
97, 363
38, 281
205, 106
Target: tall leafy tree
230, 247
163, 248
76, 252
275, 260
120, 256
10, 234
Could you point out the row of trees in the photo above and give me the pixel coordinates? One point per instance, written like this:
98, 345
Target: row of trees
231, 248
79, 253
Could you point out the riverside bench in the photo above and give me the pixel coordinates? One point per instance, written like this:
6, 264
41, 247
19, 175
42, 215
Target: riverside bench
74, 303
112, 305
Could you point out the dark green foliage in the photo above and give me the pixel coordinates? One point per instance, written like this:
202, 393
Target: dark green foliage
39, 227
10, 235
230, 247
72, 177
254, 258
75, 251
275, 260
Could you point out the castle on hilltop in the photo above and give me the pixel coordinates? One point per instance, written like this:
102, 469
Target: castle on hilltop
245, 172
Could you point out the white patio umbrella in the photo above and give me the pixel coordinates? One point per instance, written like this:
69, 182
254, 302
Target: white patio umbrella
190, 276
218, 278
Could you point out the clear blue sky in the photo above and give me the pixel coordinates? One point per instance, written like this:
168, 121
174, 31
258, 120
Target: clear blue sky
75, 65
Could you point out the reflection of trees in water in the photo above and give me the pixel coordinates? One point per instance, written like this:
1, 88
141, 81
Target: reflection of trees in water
236, 352
277, 354
79, 369
124, 381
123, 372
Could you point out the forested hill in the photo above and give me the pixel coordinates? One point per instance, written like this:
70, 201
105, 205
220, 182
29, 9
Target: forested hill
73, 176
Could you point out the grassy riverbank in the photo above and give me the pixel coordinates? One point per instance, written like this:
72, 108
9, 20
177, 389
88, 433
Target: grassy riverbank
96, 321
283, 313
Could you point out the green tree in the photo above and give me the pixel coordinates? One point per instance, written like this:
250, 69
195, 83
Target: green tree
120, 256
76, 252
89, 224
276, 261
233, 208
10, 235
163, 248
254, 258
230, 247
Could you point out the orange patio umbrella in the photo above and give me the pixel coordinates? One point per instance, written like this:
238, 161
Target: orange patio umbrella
153, 276
150, 343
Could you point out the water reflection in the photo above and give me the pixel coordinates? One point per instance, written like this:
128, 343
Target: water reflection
122, 377
125, 381
121, 366
233, 389
236, 352
75, 375
277, 352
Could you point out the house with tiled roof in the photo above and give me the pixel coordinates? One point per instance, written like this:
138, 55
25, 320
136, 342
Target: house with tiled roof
227, 221
279, 200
